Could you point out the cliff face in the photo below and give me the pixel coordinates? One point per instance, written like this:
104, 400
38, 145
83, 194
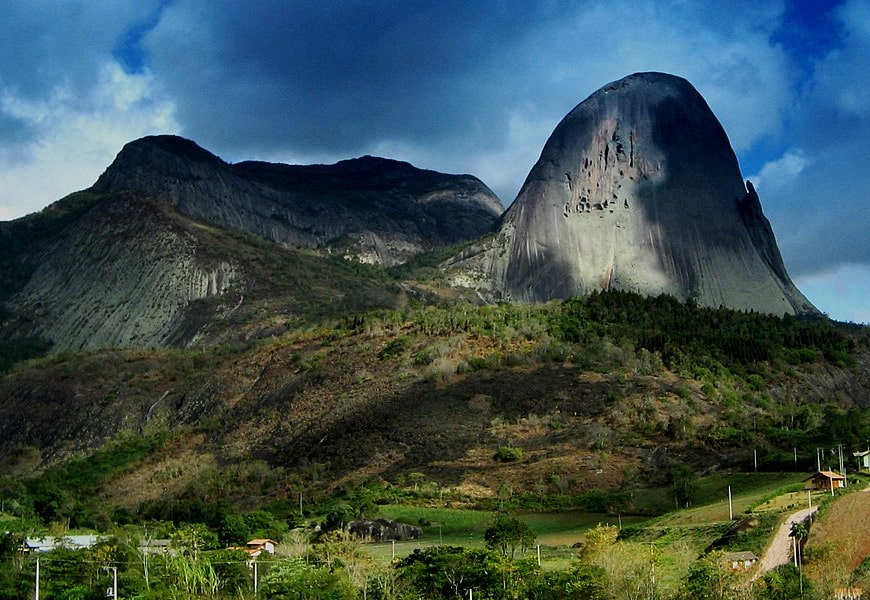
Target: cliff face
373, 209
637, 189
122, 276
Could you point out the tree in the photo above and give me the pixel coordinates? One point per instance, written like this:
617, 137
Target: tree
509, 534
782, 583
682, 479
599, 538
294, 579
450, 571
586, 582
193, 538
709, 578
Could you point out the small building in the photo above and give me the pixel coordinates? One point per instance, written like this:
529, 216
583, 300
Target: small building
162, 546
49, 543
258, 546
863, 459
740, 561
825, 480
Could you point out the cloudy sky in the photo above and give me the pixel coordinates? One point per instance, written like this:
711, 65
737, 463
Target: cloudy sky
470, 86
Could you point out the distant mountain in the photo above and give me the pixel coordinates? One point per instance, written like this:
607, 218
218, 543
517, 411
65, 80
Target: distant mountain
126, 270
147, 256
377, 210
637, 189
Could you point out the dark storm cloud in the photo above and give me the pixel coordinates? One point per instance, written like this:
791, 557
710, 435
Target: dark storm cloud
50, 52
47, 45
336, 75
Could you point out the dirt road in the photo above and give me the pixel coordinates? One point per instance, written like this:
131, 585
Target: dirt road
780, 550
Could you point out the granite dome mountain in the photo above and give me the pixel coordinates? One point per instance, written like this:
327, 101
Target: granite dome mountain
637, 189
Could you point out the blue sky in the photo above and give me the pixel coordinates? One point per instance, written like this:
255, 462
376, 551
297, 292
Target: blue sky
458, 86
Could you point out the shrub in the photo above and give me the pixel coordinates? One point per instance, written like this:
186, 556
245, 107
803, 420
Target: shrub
508, 454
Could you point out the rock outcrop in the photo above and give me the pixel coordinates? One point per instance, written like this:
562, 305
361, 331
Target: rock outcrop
373, 209
379, 530
637, 189
124, 275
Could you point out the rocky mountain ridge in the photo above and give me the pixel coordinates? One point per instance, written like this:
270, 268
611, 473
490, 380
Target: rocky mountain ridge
637, 189
375, 210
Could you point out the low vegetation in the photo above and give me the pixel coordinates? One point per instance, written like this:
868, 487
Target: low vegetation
495, 429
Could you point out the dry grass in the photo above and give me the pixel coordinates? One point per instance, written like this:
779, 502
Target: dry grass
845, 527
167, 473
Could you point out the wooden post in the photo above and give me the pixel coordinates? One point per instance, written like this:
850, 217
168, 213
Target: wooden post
810, 503
730, 506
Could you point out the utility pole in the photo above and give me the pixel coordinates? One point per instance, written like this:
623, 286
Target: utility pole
114, 590
256, 573
36, 589
842, 465
818, 460
730, 506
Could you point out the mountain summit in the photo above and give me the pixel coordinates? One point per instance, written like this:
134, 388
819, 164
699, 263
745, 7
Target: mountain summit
637, 189
373, 209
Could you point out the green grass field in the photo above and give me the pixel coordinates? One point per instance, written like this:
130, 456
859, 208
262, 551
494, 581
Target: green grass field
556, 532
711, 498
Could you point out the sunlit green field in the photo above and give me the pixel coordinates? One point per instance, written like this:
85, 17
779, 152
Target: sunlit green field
557, 532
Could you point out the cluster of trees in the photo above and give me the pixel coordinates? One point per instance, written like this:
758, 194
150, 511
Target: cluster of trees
333, 566
687, 335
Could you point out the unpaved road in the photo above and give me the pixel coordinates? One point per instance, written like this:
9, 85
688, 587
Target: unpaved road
780, 550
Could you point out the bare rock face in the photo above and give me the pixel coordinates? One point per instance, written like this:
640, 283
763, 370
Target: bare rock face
637, 189
121, 277
373, 209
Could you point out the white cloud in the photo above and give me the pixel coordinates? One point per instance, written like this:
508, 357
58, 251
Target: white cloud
780, 173
76, 138
728, 57
841, 293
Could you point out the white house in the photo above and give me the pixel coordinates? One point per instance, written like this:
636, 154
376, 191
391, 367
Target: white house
740, 561
863, 459
71, 542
